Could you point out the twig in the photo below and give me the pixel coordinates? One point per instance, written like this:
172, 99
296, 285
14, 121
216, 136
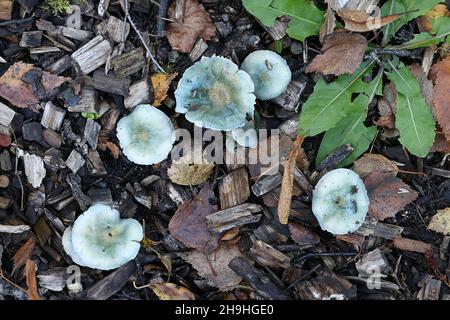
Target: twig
124, 5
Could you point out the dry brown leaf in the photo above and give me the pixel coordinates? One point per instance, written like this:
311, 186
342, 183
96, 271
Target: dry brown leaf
30, 274
287, 184
21, 94
370, 162
440, 222
328, 25
187, 173
23, 254
412, 245
387, 194
302, 235
426, 86
426, 22
171, 291
361, 21
342, 53
161, 83
387, 107
441, 144
188, 224
214, 267
441, 96
196, 23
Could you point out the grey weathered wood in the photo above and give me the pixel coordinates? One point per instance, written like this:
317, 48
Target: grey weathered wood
380, 230
266, 255
111, 284
98, 195
44, 49
290, 98
110, 83
92, 132
257, 280
60, 65
83, 200
199, 49
53, 116
31, 39
117, 29
278, 31
92, 55
140, 92
4, 202
88, 102
128, 63
75, 161
6, 114
94, 164
266, 184
234, 189
53, 160
53, 279
290, 127
227, 219
5, 161
72, 33
109, 120
303, 181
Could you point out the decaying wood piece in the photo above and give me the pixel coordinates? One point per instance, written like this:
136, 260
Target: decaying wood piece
75, 161
34, 169
110, 118
52, 137
31, 39
6, 115
53, 279
290, 98
88, 102
94, 164
44, 50
74, 183
326, 286
110, 83
98, 195
257, 280
266, 184
13, 229
140, 92
302, 181
92, 132
4, 202
8, 290
199, 49
373, 259
5, 161
412, 245
6, 9
72, 33
111, 284
128, 63
278, 31
92, 55
117, 29
227, 219
53, 116
380, 230
266, 255
60, 65
234, 189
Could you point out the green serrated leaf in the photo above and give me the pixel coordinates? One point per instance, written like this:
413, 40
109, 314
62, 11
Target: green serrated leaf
414, 119
414, 9
328, 104
306, 18
351, 130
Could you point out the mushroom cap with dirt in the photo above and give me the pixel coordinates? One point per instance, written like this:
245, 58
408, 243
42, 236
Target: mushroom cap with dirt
146, 135
270, 73
99, 239
215, 94
340, 201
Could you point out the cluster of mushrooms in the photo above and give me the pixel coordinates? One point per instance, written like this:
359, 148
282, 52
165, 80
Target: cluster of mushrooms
215, 94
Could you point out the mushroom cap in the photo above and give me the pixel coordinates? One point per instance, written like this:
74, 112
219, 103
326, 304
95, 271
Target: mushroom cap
146, 135
340, 201
246, 136
270, 73
100, 239
215, 94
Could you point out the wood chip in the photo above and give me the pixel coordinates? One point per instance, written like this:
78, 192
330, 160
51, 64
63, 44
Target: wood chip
6, 115
53, 116
412, 245
234, 189
34, 169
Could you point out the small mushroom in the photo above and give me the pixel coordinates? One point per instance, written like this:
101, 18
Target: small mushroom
100, 239
246, 136
146, 135
270, 73
340, 201
215, 94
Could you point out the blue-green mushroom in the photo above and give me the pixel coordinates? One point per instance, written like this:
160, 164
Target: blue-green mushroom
270, 73
146, 135
99, 239
215, 94
340, 201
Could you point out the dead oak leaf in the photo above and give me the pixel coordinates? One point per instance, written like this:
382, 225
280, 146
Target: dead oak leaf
186, 172
214, 267
440, 222
20, 93
171, 291
361, 21
441, 144
196, 23
342, 53
387, 194
189, 226
161, 83
441, 94
370, 162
